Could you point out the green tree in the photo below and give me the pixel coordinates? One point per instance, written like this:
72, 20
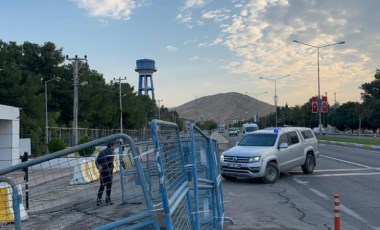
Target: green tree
347, 117
371, 101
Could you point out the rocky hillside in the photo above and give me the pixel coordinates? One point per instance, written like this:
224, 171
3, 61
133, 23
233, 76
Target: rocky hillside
224, 108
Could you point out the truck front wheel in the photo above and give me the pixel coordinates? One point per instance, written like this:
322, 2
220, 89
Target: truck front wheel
308, 166
272, 173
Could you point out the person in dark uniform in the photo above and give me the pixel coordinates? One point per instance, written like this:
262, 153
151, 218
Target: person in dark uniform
104, 163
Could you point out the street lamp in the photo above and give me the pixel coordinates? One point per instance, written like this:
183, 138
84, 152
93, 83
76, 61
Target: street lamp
46, 115
319, 88
120, 101
159, 108
275, 89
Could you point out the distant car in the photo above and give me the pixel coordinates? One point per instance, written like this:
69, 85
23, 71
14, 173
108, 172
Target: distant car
233, 132
316, 131
249, 128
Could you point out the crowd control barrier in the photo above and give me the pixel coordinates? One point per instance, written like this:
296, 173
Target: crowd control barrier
168, 182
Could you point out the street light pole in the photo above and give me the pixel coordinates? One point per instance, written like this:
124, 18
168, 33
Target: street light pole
159, 108
275, 90
319, 88
46, 115
121, 104
77, 64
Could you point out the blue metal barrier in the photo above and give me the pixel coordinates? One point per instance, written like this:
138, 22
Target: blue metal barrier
207, 183
53, 193
173, 181
170, 182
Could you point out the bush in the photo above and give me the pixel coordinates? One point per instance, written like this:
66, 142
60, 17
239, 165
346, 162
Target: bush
56, 145
89, 151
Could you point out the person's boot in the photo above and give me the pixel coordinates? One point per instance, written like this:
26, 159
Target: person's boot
98, 202
108, 201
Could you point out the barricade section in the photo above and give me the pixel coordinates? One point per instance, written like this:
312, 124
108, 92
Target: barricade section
208, 198
173, 181
54, 203
169, 182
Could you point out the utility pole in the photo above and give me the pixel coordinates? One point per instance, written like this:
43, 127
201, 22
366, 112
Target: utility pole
120, 101
77, 64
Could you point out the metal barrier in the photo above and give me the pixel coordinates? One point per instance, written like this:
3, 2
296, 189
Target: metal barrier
170, 182
189, 177
207, 180
173, 181
55, 204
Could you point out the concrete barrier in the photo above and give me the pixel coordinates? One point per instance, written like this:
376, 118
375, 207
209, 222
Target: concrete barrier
6, 207
86, 172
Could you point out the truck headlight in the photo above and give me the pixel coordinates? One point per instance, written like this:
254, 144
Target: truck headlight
254, 159
222, 157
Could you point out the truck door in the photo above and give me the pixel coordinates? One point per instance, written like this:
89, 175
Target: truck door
284, 154
295, 148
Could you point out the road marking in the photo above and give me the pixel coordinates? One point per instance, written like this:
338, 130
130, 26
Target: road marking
337, 170
340, 174
333, 170
352, 213
300, 181
348, 162
319, 193
342, 207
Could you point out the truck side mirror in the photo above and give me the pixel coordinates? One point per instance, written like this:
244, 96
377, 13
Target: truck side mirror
283, 145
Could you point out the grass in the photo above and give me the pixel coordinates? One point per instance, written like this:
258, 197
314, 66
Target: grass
357, 140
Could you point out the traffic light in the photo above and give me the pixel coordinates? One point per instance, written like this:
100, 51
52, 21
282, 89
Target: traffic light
325, 106
314, 104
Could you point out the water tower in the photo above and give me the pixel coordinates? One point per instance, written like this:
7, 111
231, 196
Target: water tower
146, 68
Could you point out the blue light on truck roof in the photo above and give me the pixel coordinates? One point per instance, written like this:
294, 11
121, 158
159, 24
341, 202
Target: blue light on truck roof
275, 131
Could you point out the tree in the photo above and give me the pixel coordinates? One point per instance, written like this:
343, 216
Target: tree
371, 101
347, 116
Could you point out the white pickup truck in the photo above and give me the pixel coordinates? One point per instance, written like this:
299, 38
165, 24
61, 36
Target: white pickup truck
266, 153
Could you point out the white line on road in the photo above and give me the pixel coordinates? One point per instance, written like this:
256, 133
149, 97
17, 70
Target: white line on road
342, 207
340, 174
319, 193
348, 162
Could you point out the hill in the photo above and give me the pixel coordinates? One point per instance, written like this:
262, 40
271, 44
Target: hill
224, 108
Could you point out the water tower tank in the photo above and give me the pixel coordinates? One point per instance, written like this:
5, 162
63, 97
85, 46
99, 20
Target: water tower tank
146, 68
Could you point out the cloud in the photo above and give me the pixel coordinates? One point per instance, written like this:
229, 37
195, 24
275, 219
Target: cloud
189, 41
216, 15
194, 58
260, 36
194, 4
212, 43
114, 9
171, 48
186, 19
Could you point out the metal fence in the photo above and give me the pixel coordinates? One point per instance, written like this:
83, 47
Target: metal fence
60, 192
169, 181
189, 177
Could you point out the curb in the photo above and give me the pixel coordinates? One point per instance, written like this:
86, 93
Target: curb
353, 145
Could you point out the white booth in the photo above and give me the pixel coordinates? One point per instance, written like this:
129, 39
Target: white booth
9, 136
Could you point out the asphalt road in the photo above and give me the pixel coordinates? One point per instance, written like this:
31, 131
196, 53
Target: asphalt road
299, 201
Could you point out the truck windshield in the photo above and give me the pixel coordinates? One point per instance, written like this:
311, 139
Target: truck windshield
259, 139
250, 129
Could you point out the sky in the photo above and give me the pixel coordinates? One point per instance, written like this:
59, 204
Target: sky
206, 47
